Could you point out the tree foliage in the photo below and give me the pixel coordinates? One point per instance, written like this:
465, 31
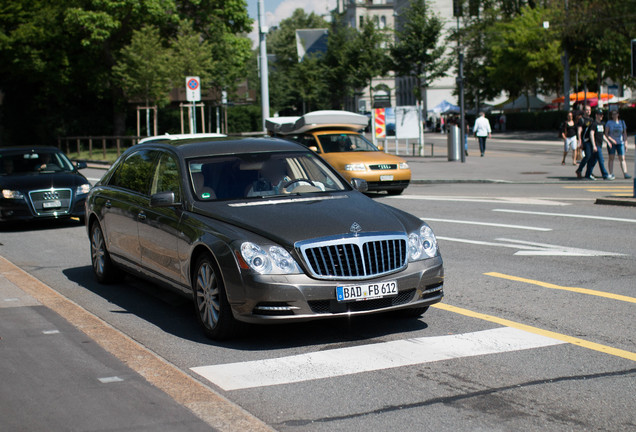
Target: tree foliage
60, 57
418, 52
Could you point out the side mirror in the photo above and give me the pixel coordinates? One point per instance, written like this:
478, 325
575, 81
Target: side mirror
359, 184
163, 199
313, 149
81, 165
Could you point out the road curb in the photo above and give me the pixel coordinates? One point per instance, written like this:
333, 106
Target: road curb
210, 406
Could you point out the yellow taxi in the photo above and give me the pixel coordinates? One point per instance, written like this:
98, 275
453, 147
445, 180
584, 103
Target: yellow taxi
336, 136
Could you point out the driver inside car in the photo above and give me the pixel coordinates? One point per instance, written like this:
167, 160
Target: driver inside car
273, 179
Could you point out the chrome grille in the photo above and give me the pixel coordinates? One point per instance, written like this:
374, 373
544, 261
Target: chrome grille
355, 257
383, 167
49, 202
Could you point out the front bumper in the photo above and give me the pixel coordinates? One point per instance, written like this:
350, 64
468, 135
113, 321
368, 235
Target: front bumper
301, 298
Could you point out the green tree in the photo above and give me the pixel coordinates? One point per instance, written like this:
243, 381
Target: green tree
292, 82
525, 56
143, 69
367, 56
417, 51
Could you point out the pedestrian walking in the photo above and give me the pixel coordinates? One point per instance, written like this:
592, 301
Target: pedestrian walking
568, 133
583, 136
482, 131
597, 136
616, 133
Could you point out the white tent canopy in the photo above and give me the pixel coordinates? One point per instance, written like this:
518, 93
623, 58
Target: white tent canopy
444, 107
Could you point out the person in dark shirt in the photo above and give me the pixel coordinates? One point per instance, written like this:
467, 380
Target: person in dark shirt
582, 131
596, 137
568, 133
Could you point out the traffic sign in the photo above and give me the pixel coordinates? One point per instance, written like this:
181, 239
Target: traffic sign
193, 89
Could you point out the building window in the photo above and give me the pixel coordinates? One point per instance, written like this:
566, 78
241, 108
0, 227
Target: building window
383, 22
361, 21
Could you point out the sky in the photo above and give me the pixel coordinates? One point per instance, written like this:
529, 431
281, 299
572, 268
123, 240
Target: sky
277, 10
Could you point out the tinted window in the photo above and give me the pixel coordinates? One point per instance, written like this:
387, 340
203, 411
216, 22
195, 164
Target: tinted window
335, 143
34, 161
167, 177
261, 174
135, 172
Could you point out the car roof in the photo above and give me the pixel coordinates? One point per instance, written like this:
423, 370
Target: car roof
196, 147
172, 137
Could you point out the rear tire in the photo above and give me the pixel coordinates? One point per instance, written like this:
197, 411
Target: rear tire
210, 301
104, 269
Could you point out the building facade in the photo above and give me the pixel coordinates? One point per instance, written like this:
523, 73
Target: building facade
392, 90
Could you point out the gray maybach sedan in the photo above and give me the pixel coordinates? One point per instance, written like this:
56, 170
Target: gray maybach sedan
258, 230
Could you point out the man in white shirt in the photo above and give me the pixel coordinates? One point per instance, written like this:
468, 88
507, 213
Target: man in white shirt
482, 131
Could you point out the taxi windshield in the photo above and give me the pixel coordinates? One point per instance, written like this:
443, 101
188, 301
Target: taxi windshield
34, 162
338, 143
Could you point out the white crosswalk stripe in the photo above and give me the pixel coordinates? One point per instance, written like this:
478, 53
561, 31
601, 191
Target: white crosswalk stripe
367, 358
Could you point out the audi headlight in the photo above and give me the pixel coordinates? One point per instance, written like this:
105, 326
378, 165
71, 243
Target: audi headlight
273, 260
404, 165
12, 194
355, 167
422, 244
83, 189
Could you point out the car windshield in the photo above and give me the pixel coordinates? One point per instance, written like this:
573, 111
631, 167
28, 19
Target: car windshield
259, 175
34, 162
338, 143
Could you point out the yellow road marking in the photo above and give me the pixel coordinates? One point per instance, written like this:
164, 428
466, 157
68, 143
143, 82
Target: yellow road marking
572, 289
558, 336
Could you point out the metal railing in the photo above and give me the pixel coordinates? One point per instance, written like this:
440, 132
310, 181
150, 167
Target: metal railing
95, 144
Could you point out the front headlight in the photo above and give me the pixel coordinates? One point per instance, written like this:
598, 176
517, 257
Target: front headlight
12, 194
83, 189
422, 244
274, 260
355, 167
404, 165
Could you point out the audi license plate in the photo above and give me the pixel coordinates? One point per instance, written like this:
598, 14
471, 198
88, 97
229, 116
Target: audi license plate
52, 204
387, 177
366, 291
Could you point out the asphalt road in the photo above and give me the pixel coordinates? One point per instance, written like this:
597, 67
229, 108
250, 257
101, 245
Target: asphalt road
536, 331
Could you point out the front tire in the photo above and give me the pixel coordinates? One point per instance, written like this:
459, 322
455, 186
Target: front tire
104, 269
211, 305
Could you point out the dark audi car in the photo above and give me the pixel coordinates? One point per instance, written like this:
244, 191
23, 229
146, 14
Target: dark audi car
258, 230
40, 183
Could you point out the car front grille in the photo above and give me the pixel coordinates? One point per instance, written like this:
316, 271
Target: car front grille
355, 257
51, 202
383, 167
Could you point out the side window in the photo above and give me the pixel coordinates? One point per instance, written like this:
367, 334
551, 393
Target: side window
167, 177
135, 172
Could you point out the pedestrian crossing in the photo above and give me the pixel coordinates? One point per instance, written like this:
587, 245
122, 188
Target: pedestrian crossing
368, 358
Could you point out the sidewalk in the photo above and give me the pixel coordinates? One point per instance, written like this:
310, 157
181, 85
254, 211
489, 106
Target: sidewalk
512, 157
63, 369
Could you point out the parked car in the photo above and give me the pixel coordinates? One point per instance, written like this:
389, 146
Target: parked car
336, 136
258, 230
40, 183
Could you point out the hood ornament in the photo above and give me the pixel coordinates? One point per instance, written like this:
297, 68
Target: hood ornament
355, 228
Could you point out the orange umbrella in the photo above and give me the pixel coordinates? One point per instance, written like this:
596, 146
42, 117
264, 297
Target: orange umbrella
581, 96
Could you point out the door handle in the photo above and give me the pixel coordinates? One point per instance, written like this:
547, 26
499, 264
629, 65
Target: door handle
141, 216
108, 204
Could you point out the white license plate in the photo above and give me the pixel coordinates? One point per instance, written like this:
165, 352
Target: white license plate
387, 177
52, 204
366, 291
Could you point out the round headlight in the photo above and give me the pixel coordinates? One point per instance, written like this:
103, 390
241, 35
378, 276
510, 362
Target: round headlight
256, 257
429, 242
